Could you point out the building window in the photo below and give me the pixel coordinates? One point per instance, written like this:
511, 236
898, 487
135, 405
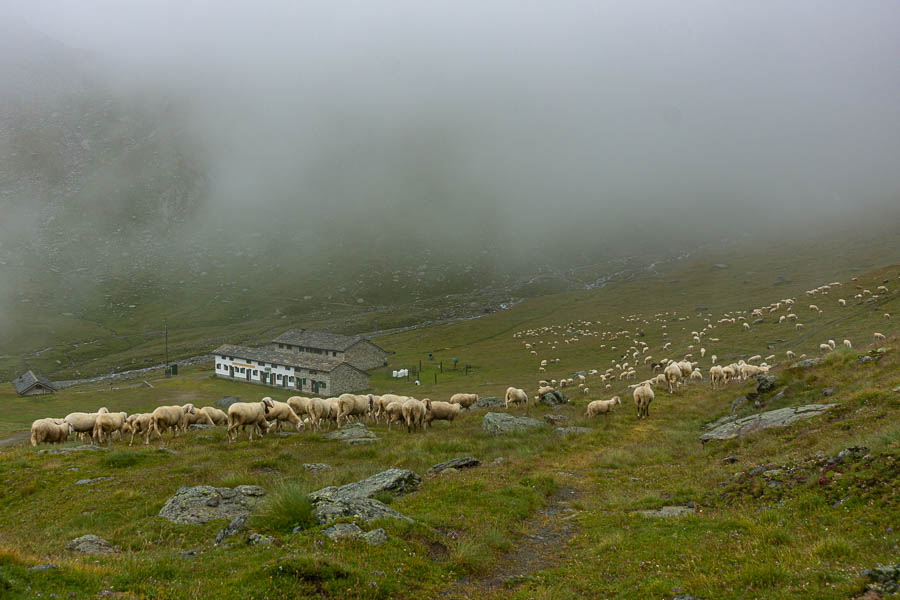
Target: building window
255, 372
290, 380
334, 353
322, 385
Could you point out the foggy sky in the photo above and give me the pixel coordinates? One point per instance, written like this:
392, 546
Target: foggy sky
599, 118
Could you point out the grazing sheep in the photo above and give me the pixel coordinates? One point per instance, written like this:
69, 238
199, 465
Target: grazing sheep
748, 371
601, 407
747, 326
467, 400
879, 337
848, 344
353, 405
842, 302
716, 377
729, 372
643, 396
697, 375
300, 404
673, 376
252, 414
318, 410
199, 418
170, 417
83, 423
51, 431
218, 417
414, 413
586, 391
887, 316
441, 411
393, 413
790, 354
282, 412
138, 424
516, 396
107, 423
825, 348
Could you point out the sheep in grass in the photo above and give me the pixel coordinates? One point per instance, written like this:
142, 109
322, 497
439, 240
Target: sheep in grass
729, 372
673, 376
414, 413
300, 404
252, 414
353, 405
170, 417
281, 412
393, 413
696, 375
199, 417
138, 424
825, 348
441, 411
790, 354
643, 396
887, 316
716, 377
107, 424
50, 431
748, 371
879, 337
318, 410
467, 400
218, 417
842, 302
83, 423
601, 407
515, 396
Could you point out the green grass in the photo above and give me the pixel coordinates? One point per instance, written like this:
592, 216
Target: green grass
285, 508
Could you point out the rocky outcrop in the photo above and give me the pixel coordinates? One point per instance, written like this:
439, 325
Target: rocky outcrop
773, 418
225, 401
204, 503
465, 462
355, 500
765, 383
809, 362
235, 527
667, 512
489, 402
553, 398
352, 433
502, 423
364, 509
91, 544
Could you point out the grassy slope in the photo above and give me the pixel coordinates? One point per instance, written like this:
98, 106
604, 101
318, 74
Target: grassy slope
751, 543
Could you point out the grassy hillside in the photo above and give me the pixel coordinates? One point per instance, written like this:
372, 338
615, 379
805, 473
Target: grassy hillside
543, 516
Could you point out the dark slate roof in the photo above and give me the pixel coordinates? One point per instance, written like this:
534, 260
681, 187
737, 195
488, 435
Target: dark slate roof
26, 381
319, 339
288, 359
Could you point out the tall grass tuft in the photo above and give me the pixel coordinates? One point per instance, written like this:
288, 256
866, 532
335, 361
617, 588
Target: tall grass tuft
284, 509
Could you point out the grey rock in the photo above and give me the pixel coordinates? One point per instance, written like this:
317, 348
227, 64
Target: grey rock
501, 423
829, 391
564, 431
555, 419
44, 567
92, 481
720, 266
489, 402
351, 431
553, 398
701, 308
809, 362
91, 544
668, 511
339, 531
201, 426
376, 537
258, 539
730, 460
360, 441
236, 525
465, 462
316, 467
394, 481
883, 574
781, 417
719, 422
758, 321
225, 401
868, 359
764, 383
204, 503
364, 509
738, 403
778, 396
854, 452
168, 451
65, 451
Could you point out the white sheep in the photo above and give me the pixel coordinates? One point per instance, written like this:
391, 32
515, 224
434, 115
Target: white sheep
879, 337
283, 412
393, 413
51, 431
716, 377
170, 417
673, 376
138, 424
515, 396
414, 413
107, 423
790, 354
696, 375
467, 400
848, 344
441, 411
83, 423
252, 414
887, 316
643, 396
353, 405
601, 407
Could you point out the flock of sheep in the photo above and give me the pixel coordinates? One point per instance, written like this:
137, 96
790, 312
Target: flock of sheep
316, 413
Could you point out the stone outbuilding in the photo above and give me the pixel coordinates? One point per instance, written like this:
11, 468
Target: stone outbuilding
33, 384
354, 349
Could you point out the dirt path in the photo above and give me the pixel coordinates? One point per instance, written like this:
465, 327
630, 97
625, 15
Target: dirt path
540, 548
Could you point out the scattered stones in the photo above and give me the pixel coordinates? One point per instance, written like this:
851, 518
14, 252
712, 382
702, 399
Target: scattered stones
738, 403
376, 537
92, 481
258, 539
465, 462
44, 567
868, 359
564, 431
555, 419
394, 481
668, 511
502, 423
829, 391
765, 383
718, 422
499, 461
489, 402
225, 401
352, 433
91, 544
781, 417
553, 398
341, 531
364, 509
316, 467
236, 525
884, 580
201, 426
206, 503
808, 362
65, 451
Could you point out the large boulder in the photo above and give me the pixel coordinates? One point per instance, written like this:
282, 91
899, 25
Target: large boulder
489, 402
393, 481
204, 503
765, 383
553, 398
773, 418
91, 544
364, 509
225, 401
502, 423
808, 362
